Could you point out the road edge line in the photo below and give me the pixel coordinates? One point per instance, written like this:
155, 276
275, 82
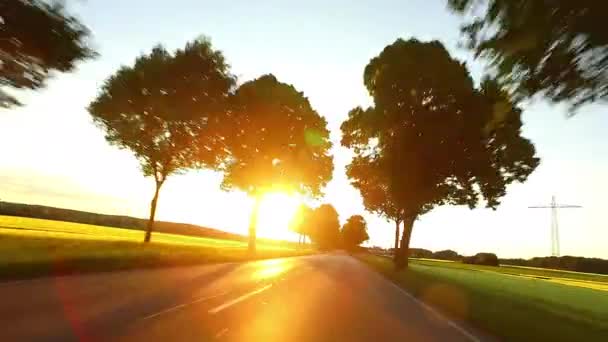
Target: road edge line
430, 309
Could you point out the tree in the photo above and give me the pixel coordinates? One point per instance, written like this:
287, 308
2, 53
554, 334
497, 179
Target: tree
325, 227
366, 176
168, 109
277, 140
487, 259
354, 231
555, 48
433, 138
420, 253
300, 222
37, 38
447, 254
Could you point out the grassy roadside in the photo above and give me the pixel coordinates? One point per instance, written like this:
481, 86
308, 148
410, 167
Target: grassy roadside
33, 248
513, 308
540, 273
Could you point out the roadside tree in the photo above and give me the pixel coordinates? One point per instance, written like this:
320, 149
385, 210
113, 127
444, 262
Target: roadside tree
558, 49
169, 109
277, 142
354, 231
325, 227
36, 39
433, 137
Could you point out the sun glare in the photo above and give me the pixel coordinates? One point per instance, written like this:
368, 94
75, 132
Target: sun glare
276, 211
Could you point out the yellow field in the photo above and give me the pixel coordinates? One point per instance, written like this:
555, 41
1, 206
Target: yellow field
589, 284
39, 228
34, 247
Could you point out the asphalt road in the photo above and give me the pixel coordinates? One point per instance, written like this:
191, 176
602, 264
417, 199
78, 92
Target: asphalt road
316, 298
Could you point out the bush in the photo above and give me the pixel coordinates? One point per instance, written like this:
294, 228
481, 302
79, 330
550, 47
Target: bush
447, 254
420, 253
487, 259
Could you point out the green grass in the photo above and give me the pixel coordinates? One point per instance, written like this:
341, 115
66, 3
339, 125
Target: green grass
34, 247
539, 273
514, 304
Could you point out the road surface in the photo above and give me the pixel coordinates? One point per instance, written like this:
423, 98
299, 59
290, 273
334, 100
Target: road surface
329, 297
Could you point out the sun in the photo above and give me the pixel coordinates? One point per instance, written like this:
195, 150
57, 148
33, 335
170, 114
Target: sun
276, 211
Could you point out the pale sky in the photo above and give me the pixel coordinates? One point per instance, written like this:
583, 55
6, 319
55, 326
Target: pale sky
54, 155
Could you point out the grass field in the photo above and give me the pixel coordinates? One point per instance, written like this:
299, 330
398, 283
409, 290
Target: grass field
34, 247
512, 303
587, 280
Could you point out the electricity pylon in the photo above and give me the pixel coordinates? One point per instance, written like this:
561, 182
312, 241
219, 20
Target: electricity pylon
554, 226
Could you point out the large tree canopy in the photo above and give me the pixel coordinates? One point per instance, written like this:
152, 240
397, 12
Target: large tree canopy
168, 109
36, 38
432, 137
555, 48
276, 140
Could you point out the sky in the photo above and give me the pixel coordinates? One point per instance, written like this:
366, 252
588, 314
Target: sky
52, 153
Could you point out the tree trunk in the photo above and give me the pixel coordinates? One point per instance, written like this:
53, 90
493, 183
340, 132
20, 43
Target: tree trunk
152, 213
401, 260
253, 222
397, 222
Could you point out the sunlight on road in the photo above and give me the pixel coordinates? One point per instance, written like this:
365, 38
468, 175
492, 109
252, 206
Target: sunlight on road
271, 268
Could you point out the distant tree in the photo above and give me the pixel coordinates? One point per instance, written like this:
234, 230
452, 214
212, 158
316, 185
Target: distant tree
167, 109
571, 263
36, 38
354, 231
435, 138
420, 253
447, 254
325, 227
555, 48
277, 140
300, 222
486, 259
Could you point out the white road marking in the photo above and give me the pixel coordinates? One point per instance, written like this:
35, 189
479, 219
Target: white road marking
437, 314
238, 299
221, 333
177, 307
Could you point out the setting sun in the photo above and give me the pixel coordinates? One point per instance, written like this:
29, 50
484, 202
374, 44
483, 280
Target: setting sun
276, 211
